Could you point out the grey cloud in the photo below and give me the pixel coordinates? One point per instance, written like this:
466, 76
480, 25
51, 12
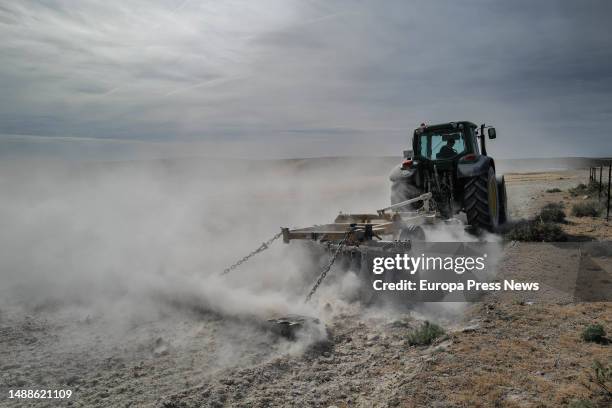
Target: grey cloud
296, 73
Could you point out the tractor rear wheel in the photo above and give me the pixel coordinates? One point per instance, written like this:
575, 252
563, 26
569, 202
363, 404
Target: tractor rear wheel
481, 201
503, 199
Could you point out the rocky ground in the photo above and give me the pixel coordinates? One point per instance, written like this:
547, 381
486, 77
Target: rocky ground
514, 351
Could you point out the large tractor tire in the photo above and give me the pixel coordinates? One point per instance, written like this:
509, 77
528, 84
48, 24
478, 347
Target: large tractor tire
481, 201
503, 200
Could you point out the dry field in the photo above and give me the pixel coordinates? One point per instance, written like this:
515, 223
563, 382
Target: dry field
531, 189
189, 341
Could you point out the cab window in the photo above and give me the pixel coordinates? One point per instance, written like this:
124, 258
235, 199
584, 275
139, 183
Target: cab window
440, 146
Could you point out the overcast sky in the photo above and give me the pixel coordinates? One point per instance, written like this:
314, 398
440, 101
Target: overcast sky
295, 78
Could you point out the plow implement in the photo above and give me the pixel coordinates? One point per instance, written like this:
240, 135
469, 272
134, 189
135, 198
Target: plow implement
354, 237
387, 227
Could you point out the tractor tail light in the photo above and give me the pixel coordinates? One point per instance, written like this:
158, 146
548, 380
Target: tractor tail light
469, 157
406, 164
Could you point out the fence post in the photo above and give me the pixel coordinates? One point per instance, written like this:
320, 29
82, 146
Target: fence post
609, 177
600, 170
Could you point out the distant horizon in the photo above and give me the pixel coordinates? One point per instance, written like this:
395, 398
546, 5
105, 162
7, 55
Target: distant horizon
74, 148
272, 159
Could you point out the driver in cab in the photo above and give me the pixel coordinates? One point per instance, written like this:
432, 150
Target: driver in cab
447, 151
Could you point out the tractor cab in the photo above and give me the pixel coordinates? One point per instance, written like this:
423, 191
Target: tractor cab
448, 161
448, 141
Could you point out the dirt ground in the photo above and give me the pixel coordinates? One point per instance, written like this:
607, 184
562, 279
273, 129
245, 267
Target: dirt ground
512, 351
532, 188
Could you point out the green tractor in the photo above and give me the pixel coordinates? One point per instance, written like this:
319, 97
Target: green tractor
448, 161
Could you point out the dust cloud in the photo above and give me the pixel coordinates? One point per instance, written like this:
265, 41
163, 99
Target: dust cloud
131, 244
126, 243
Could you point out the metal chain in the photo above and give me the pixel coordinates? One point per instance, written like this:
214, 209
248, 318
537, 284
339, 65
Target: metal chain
261, 248
328, 267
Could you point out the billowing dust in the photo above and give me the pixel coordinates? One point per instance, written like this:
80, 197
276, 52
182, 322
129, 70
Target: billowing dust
122, 261
124, 244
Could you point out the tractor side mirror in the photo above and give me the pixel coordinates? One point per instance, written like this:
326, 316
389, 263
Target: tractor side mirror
408, 154
491, 132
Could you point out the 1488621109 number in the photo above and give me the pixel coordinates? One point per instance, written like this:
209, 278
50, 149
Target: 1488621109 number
40, 394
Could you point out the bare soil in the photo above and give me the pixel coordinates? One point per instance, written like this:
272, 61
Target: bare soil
528, 192
512, 351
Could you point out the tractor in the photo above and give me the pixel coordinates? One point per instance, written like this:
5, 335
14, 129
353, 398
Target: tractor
447, 161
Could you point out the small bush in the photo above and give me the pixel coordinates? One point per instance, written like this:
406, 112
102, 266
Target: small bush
594, 333
553, 190
535, 231
587, 209
425, 334
579, 189
552, 212
584, 189
602, 377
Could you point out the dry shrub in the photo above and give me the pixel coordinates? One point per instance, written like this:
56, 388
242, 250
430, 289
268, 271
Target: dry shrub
585, 189
535, 231
425, 335
586, 209
594, 333
552, 212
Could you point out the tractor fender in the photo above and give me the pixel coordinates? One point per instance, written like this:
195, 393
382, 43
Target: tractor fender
400, 174
480, 166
